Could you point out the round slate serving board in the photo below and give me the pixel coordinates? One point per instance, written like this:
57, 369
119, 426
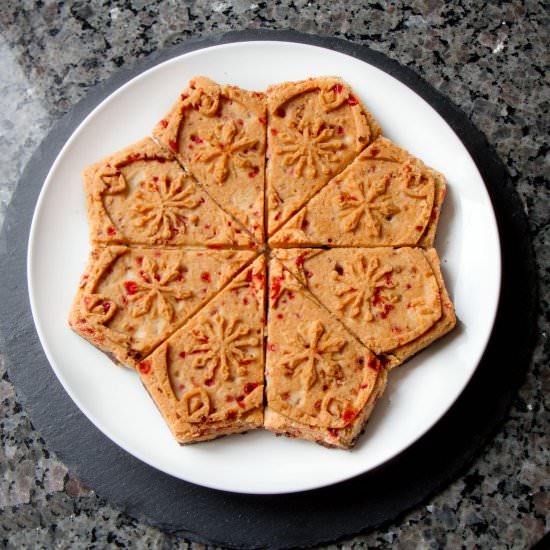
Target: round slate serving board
298, 519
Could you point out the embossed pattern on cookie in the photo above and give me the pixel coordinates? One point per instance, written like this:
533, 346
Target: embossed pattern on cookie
386, 197
130, 300
315, 128
442, 326
162, 297
141, 196
218, 133
208, 379
321, 381
394, 300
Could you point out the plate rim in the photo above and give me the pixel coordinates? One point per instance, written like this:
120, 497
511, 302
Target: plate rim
80, 128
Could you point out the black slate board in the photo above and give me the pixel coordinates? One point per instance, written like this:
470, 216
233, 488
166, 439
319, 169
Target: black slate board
300, 519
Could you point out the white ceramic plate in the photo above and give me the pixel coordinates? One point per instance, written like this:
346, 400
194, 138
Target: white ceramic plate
418, 394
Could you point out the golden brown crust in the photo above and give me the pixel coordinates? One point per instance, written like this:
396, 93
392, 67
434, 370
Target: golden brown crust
384, 198
315, 128
141, 196
207, 379
218, 133
130, 300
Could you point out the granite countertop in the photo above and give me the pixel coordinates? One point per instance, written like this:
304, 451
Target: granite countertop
490, 60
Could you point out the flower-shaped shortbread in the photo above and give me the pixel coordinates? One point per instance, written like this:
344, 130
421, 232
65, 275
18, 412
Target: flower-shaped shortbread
208, 290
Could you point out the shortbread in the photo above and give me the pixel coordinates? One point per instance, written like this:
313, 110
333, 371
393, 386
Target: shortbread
130, 299
207, 379
393, 300
315, 128
385, 197
218, 133
177, 287
321, 382
141, 196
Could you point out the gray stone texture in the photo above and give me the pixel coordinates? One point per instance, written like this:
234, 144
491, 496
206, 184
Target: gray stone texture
490, 58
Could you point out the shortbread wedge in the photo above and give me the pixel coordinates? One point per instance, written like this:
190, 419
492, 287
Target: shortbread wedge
140, 196
387, 297
130, 300
316, 127
443, 325
386, 197
218, 133
321, 382
207, 379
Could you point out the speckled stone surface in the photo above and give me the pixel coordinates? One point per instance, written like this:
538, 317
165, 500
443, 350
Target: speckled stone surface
491, 59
